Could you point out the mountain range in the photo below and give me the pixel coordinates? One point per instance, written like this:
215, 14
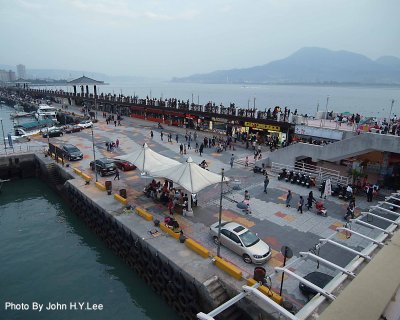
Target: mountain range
311, 65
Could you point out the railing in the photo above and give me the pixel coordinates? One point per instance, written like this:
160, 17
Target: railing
22, 149
320, 173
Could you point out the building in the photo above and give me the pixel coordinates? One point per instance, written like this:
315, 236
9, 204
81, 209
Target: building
7, 76
21, 71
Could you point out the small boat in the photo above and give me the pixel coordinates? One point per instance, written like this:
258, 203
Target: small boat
1, 183
21, 114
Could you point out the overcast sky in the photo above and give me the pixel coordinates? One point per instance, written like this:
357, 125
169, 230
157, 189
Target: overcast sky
183, 37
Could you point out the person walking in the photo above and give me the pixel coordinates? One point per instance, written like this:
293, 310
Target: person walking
370, 192
151, 134
266, 182
246, 162
310, 200
162, 135
177, 138
288, 198
117, 142
246, 195
350, 211
300, 205
201, 149
181, 149
323, 188
232, 159
116, 173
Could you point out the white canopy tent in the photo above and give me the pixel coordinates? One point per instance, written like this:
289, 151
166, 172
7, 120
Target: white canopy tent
147, 160
190, 176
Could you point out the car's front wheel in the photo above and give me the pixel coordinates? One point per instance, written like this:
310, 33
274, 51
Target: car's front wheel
246, 258
216, 241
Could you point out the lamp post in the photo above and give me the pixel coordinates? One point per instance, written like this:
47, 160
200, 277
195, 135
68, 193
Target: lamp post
220, 216
326, 109
4, 138
390, 113
94, 155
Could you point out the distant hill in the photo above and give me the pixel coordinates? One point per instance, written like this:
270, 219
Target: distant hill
311, 66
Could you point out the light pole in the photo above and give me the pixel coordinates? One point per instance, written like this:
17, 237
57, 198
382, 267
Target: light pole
94, 155
4, 138
220, 215
390, 113
326, 109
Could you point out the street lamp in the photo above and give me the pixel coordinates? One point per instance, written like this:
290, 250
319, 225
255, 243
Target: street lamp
326, 109
94, 155
4, 138
220, 216
390, 113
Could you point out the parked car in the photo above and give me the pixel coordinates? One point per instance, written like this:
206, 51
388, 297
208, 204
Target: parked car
124, 165
71, 152
85, 124
73, 128
52, 133
318, 278
104, 166
242, 241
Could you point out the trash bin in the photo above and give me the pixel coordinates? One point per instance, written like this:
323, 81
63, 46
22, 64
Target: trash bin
259, 274
108, 185
122, 193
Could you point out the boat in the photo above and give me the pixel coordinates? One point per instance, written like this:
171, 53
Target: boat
21, 114
46, 112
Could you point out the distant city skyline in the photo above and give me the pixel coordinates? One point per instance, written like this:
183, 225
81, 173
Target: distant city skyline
174, 39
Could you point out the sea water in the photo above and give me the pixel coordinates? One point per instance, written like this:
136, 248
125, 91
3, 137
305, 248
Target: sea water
52, 266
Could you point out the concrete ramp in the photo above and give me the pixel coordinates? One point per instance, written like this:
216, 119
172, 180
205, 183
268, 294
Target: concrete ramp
346, 148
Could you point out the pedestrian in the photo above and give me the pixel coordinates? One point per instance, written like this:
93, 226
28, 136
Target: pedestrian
350, 211
116, 173
232, 159
246, 162
196, 147
177, 138
170, 207
288, 198
119, 122
300, 204
246, 195
370, 192
266, 182
310, 200
189, 147
151, 134
201, 149
115, 123
323, 188
162, 135
184, 148
181, 149
117, 143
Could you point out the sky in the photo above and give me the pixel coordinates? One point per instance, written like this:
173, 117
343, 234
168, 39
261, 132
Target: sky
177, 38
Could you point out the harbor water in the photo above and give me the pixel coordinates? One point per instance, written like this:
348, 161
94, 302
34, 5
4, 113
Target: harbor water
49, 256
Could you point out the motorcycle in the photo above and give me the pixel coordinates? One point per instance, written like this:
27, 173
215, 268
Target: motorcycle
257, 169
159, 126
303, 180
306, 181
283, 174
289, 177
296, 178
321, 210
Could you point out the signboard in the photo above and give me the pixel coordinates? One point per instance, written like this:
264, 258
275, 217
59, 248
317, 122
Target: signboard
262, 126
219, 119
318, 132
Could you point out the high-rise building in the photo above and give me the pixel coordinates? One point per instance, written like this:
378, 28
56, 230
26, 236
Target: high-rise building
11, 75
21, 71
7, 76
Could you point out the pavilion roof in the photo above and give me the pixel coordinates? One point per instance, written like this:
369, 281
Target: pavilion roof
85, 81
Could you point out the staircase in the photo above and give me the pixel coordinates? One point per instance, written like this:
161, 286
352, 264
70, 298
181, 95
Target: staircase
53, 176
356, 145
218, 296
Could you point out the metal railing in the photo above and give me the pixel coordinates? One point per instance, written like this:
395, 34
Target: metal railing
19, 149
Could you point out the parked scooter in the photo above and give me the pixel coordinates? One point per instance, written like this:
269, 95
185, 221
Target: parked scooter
289, 177
283, 174
306, 181
160, 126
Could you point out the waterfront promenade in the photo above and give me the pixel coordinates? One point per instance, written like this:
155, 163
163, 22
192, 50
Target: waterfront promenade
274, 223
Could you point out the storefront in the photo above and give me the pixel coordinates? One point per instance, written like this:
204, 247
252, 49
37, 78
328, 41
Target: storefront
264, 132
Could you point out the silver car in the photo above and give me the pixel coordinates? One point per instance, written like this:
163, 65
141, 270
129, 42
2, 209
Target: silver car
242, 241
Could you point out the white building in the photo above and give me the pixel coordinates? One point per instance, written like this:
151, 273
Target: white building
21, 71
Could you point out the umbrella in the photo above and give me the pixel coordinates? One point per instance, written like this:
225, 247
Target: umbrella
147, 160
346, 113
190, 176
